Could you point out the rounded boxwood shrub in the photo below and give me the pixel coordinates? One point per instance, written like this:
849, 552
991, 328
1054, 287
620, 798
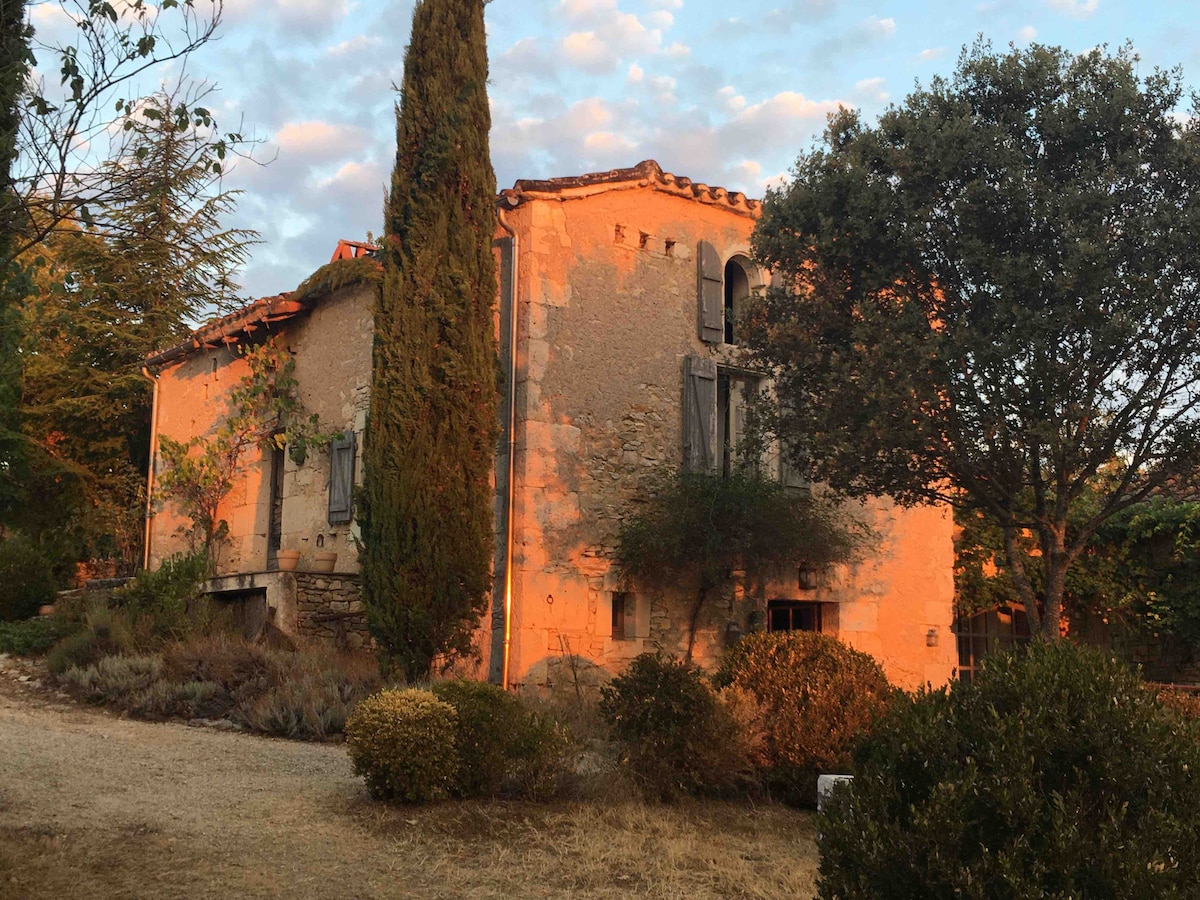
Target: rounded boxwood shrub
491, 723
26, 579
817, 697
504, 746
675, 734
1052, 774
402, 743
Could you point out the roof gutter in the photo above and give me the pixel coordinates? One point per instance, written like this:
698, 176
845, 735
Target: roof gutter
511, 441
150, 468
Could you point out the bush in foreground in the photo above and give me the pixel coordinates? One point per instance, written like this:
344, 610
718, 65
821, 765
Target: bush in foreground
503, 745
26, 579
402, 743
1053, 774
676, 734
31, 637
817, 697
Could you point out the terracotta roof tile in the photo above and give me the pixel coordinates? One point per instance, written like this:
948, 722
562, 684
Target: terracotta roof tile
647, 173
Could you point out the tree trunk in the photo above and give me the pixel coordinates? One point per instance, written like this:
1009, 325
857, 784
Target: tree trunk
1016, 566
1056, 560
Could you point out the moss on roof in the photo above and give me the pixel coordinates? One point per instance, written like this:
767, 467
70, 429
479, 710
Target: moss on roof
336, 275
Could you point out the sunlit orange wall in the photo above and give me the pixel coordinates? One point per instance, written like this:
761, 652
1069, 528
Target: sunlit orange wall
606, 316
332, 350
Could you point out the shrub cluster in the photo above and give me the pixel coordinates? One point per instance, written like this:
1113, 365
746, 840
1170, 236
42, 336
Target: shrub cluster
31, 637
26, 579
817, 697
306, 694
402, 743
676, 734
1052, 774
159, 601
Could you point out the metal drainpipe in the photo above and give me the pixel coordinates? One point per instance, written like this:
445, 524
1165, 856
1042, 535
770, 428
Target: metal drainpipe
512, 442
150, 473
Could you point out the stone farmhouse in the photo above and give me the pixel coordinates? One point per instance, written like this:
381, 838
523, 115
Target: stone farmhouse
617, 320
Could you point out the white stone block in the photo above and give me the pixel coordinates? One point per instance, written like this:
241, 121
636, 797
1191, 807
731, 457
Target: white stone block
825, 784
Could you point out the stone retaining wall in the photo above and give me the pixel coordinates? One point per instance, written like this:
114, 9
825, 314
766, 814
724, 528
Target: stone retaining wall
330, 607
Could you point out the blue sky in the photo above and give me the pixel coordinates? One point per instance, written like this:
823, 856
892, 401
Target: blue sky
723, 92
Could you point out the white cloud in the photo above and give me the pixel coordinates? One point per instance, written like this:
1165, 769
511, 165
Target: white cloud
784, 106
636, 73
1027, 34
731, 99
931, 53
876, 27
588, 51
355, 45
1080, 9
318, 141
661, 19
607, 142
872, 89
677, 50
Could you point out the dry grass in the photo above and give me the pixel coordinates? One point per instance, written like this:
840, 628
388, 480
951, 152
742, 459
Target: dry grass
599, 850
97, 807
477, 850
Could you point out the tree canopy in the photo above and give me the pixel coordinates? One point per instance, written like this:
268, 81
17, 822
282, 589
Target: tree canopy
697, 529
994, 299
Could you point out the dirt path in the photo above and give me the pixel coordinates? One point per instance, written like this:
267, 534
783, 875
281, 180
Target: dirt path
96, 806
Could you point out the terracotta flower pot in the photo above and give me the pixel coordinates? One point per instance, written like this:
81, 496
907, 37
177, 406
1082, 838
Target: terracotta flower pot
288, 560
324, 560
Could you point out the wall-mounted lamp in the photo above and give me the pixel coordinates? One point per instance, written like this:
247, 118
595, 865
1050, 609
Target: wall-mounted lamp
809, 577
931, 637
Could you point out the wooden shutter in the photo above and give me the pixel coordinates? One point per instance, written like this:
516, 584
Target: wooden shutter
341, 479
710, 294
700, 414
789, 475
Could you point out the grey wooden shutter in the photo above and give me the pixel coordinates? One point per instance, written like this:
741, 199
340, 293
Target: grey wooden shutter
710, 294
789, 475
341, 479
700, 414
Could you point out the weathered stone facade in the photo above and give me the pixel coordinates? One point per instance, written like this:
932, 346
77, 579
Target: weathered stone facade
606, 278
606, 294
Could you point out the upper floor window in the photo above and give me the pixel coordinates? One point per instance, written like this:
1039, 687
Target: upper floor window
737, 291
722, 291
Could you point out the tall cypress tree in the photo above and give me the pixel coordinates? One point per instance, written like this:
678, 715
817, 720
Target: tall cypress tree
14, 67
426, 500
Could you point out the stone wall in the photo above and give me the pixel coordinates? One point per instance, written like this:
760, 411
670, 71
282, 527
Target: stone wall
330, 608
606, 316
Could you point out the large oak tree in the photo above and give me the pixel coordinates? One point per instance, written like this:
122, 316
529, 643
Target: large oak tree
994, 300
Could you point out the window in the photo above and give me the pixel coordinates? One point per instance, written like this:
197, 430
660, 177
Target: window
624, 616
793, 615
275, 518
735, 391
341, 480
737, 291
716, 402
722, 290
986, 632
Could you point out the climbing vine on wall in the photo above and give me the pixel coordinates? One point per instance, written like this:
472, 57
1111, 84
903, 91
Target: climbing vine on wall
264, 410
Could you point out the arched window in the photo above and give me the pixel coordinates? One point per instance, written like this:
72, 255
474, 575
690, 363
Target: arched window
737, 291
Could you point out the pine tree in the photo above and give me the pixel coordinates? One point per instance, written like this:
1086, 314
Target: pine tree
426, 510
107, 297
